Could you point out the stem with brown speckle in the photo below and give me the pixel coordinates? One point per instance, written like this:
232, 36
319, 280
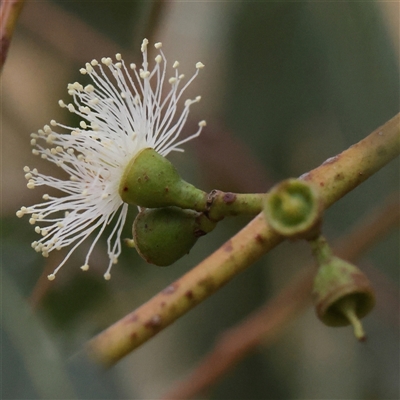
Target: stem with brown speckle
334, 178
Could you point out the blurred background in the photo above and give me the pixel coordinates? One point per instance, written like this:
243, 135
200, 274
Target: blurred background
286, 85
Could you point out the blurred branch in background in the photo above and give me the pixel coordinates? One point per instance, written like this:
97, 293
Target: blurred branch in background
68, 30
238, 169
151, 20
9, 13
267, 323
43, 285
333, 179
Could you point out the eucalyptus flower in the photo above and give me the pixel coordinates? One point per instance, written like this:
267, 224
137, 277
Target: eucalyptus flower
124, 110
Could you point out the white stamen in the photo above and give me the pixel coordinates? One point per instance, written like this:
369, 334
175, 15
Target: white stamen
89, 68
121, 112
144, 45
144, 74
89, 89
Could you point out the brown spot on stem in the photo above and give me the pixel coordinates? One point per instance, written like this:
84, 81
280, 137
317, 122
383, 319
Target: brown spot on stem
339, 176
133, 336
170, 289
229, 198
211, 197
132, 318
322, 184
228, 246
260, 239
125, 189
154, 322
189, 295
207, 284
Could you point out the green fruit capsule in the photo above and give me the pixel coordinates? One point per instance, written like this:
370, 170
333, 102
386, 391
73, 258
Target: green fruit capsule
342, 294
164, 235
293, 209
151, 181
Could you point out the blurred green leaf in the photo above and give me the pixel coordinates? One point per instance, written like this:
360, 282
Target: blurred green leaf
40, 355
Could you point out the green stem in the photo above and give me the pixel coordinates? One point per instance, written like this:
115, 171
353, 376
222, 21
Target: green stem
224, 204
205, 225
321, 250
339, 175
333, 179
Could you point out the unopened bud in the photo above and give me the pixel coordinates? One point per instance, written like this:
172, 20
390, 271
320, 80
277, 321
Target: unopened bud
164, 235
151, 181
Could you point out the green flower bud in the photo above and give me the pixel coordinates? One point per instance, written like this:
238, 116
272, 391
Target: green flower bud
164, 235
293, 209
342, 294
151, 181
